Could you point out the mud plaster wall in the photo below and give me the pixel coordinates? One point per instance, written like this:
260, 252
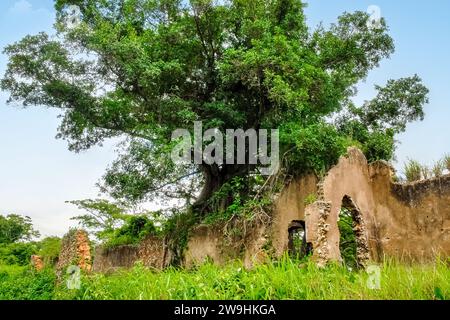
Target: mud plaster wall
152, 252
405, 221
210, 243
291, 206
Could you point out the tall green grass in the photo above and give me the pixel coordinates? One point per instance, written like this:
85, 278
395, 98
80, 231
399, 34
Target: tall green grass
22, 283
285, 279
277, 280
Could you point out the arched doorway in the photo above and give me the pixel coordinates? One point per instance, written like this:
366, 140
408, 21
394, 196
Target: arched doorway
297, 245
353, 245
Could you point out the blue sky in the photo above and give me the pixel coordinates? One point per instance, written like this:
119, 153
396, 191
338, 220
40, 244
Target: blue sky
38, 174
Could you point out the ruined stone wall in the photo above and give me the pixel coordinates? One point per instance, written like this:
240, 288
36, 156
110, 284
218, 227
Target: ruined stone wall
408, 221
75, 250
37, 263
152, 252
290, 206
411, 221
211, 243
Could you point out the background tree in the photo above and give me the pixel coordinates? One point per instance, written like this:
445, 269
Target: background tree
102, 217
112, 225
15, 234
139, 69
15, 228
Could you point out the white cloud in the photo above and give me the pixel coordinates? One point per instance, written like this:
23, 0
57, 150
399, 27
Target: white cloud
20, 7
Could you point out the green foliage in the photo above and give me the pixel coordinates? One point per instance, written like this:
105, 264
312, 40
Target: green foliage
310, 199
399, 102
18, 283
48, 250
314, 148
279, 280
176, 230
247, 209
413, 170
14, 228
134, 230
110, 223
347, 239
438, 169
102, 219
379, 146
140, 69
376, 144
14, 231
248, 199
17, 253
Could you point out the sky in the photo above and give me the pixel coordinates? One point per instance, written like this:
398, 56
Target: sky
38, 174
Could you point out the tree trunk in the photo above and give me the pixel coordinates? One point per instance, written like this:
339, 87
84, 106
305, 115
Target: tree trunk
215, 178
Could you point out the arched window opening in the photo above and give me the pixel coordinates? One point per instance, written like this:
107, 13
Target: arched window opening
352, 241
297, 245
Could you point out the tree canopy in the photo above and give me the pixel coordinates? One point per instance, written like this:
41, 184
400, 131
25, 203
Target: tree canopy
139, 69
14, 228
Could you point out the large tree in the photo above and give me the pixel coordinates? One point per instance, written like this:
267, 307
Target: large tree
15, 228
142, 68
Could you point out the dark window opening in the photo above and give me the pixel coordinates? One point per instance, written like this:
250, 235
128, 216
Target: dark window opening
297, 245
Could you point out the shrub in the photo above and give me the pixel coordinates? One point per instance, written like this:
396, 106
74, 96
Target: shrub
25, 284
49, 249
314, 148
135, 229
17, 253
413, 170
438, 169
379, 146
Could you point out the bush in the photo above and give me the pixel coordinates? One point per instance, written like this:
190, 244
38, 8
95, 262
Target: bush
17, 253
379, 146
413, 171
24, 284
135, 229
314, 148
438, 169
49, 249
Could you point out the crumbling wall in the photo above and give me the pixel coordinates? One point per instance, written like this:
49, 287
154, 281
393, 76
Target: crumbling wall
408, 221
290, 206
75, 250
206, 243
211, 243
37, 263
411, 221
152, 252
